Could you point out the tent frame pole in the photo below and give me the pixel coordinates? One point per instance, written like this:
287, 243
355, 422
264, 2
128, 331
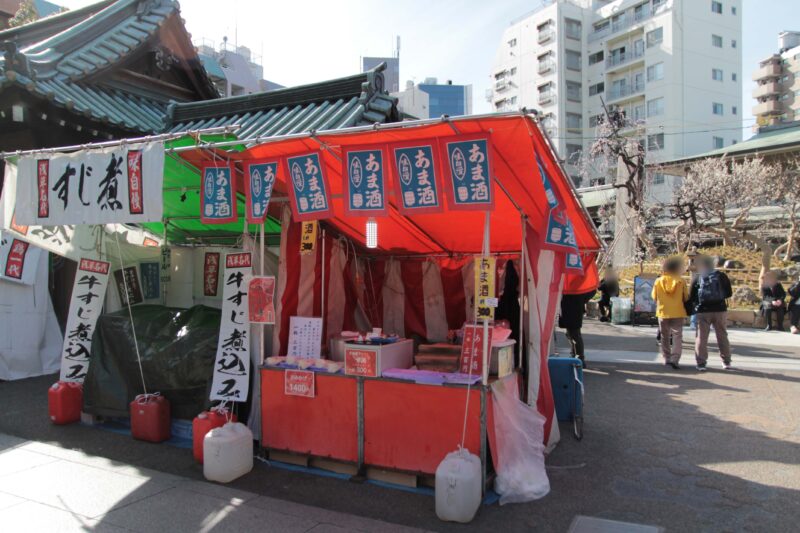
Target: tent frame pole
522, 263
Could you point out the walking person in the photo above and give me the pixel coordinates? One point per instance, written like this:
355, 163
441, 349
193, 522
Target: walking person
670, 294
772, 296
692, 256
609, 288
573, 306
708, 294
794, 307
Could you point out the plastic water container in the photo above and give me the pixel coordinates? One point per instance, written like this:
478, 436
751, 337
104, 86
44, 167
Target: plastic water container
458, 487
64, 401
227, 452
150, 418
620, 310
205, 422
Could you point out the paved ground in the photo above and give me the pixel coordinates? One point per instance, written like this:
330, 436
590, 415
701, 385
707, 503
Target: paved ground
718, 451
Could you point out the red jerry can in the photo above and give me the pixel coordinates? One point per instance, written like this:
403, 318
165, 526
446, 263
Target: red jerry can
150, 418
205, 422
64, 401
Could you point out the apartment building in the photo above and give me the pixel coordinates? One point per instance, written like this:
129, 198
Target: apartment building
431, 99
777, 79
673, 66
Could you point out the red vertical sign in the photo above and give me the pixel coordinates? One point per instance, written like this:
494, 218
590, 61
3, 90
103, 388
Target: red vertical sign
15, 262
472, 354
135, 196
261, 293
43, 185
210, 273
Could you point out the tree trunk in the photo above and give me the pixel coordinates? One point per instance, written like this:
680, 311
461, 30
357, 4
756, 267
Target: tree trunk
790, 241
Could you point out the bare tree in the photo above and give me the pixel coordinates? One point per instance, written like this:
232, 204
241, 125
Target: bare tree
785, 194
718, 196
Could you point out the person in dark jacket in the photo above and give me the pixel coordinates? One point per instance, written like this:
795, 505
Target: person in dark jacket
609, 288
707, 296
772, 301
573, 307
794, 307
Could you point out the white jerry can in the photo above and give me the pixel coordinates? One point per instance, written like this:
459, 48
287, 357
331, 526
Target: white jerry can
458, 486
227, 452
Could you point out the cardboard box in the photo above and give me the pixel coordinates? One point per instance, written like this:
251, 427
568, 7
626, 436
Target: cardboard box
371, 360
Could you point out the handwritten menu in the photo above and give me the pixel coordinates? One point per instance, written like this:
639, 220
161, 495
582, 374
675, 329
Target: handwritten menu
305, 336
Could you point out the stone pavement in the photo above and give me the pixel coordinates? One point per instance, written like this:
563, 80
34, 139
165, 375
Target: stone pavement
47, 488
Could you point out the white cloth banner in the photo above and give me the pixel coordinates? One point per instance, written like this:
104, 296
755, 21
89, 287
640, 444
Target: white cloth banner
18, 259
88, 294
118, 184
232, 365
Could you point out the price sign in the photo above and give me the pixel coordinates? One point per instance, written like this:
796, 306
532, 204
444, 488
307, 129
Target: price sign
298, 383
361, 362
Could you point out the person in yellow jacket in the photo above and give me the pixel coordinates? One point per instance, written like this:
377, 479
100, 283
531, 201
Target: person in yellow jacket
670, 293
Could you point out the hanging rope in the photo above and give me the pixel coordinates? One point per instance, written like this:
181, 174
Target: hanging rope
130, 314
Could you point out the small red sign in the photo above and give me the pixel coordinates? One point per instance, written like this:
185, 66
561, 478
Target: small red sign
210, 273
91, 265
298, 383
23, 230
43, 185
15, 261
260, 300
135, 195
472, 350
150, 242
241, 260
361, 362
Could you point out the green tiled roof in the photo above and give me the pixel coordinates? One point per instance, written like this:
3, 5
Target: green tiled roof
340, 103
60, 58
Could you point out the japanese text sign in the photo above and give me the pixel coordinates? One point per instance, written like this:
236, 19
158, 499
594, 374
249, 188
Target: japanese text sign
298, 383
361, 362
574, 262
549, 191
259, 177
151, 274
18, 259
261, 296
217, 195
309, 195
416, 169
469, 183
472, 355
364, 172
560, 234
231, 379
484, 287
119, 184
210, 273
88, 294
308, 237
127, 280
305, 336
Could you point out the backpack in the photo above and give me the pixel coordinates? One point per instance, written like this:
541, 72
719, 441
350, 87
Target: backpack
709, 291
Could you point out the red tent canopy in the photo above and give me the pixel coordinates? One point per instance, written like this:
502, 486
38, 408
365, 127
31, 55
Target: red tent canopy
518, 188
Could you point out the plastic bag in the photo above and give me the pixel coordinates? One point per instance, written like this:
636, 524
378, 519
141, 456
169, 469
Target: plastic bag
521, 475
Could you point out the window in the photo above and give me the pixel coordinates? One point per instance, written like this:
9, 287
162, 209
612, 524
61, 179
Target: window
733, 76
733, 10
719, 142
658, 4
655, 107
573, 91
655, 141
597, 57
735, 110
512, 43
574, 121
573, 152
716, 41
601, 26
733, 43
597, 88
573, 28
594, 120
573, 60
716, 74
513, 71
654, 37
734, 141
716, 7
658, 178
513, 100
655, 72
545, 89
500, 75
717, 108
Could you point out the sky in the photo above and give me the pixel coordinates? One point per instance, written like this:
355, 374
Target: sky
305, 41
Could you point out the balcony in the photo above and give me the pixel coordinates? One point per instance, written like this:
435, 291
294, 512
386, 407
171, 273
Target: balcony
547, 66
623, 59
546, 35
625, 91
771, 107
501, 85
626, 22
547, 98
770, 70
771, 87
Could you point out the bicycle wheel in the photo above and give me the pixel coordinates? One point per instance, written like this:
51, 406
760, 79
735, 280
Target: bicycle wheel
577, 419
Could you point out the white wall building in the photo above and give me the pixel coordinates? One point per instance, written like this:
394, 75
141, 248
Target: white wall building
675, 65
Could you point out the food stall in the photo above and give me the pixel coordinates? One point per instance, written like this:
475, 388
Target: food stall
408, 228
